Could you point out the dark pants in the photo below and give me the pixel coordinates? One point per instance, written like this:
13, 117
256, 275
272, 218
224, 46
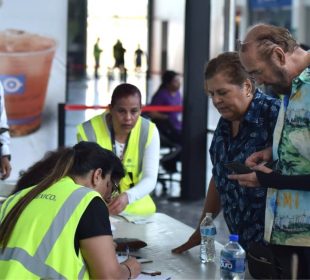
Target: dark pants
284, 254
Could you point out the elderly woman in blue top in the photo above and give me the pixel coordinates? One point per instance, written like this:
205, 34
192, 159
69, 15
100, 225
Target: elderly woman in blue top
246, 125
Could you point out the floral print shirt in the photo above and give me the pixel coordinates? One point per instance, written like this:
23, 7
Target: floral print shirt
287, 210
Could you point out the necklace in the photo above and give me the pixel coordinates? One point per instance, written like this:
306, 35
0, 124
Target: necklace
119, 149
122, 147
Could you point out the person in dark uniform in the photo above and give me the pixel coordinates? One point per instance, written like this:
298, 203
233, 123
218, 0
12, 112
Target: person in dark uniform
138, 58
118, 53
97, 53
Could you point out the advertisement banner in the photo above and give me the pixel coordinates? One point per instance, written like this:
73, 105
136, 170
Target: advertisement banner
33, 36
269, 4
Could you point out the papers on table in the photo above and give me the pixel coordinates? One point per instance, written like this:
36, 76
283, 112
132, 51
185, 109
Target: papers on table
6, 188
121, 257
140, 220
113, 221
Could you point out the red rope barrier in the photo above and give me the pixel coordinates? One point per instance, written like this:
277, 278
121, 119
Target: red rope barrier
78, 107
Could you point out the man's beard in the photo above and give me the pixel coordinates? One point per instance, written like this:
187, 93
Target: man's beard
281, 90
282, 86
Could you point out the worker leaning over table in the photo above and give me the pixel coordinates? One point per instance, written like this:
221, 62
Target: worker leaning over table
60, 228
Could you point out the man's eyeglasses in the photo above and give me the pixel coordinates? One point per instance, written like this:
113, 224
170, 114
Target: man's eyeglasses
240, 45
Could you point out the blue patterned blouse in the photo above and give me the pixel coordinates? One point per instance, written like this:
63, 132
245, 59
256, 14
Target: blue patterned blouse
243, 208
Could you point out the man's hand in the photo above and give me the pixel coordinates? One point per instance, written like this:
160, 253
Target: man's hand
193, 241
118, 204
256, 158
245, 180
5, 167
250, 179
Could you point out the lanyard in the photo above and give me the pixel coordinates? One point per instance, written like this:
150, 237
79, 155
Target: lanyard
124, 150
123, 153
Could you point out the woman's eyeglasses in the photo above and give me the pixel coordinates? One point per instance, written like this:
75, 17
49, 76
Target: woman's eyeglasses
115, 189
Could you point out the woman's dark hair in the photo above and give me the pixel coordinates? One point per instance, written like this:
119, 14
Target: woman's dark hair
166, 79
75, 161
124, 90
229, 64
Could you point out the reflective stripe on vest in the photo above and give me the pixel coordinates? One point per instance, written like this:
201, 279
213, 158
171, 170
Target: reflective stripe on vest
89, 131
7, 203
32, 263
144, 131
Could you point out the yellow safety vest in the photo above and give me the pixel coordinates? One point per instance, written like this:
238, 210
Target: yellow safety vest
42, 242
97, 130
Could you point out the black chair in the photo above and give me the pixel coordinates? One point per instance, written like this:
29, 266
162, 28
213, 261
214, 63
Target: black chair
170, 156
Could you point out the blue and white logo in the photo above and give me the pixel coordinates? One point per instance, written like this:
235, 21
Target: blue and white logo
13, 84
226, 264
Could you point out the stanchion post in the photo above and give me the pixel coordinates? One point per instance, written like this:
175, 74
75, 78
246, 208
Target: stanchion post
61, 124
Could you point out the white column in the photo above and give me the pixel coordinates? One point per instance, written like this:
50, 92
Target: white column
298, 20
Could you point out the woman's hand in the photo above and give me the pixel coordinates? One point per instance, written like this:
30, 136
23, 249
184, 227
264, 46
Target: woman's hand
193, 241
134, 266
118, 204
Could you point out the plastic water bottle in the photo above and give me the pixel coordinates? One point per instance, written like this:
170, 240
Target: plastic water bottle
232, 260
207, 246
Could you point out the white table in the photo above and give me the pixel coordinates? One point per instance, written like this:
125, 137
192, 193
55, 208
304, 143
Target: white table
163, 234
6, 188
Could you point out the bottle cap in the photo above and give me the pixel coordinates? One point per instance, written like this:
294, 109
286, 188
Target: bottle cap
234, 237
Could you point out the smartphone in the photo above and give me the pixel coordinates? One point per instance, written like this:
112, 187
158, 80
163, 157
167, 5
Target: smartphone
271, 164
238, 167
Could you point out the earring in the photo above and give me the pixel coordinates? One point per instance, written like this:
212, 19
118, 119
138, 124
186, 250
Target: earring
248, 94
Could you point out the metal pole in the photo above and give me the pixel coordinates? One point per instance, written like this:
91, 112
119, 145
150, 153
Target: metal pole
229, 25
61, 124
150, 19
197, 32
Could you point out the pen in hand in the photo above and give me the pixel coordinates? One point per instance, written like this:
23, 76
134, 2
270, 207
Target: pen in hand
152, 273
127, 252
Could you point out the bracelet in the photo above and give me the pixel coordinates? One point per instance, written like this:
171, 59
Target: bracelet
128, 270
